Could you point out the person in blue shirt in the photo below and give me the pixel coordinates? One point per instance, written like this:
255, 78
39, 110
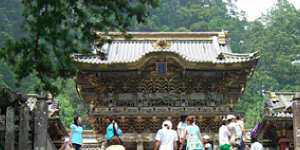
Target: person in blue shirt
76, 134
110, 129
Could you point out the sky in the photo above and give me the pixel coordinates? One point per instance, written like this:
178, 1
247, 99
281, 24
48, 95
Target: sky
254, 8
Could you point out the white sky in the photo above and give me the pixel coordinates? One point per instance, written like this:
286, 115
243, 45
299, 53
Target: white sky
254, 8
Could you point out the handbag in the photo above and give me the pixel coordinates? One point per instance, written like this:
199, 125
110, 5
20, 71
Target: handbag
116, 134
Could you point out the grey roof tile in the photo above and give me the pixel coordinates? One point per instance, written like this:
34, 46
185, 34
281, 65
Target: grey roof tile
121, 51
280, 106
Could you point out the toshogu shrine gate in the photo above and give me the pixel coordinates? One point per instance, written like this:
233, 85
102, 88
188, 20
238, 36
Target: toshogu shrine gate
161, 75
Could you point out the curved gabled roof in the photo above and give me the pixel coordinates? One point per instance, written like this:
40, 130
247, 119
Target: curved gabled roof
191, 50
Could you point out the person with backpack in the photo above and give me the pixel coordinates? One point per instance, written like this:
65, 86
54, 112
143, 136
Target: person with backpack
112, 129
240, 121
236, 133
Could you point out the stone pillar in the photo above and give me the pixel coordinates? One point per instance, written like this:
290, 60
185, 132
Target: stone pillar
296, 121
139, 142
40, 124
24, 128
10, 129
216, 141
140, 146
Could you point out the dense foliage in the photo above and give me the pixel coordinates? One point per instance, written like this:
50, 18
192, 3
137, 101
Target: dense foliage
276, 35
55, 29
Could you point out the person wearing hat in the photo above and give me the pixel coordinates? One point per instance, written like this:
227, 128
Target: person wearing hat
166, 138
224, 136
207, 146
236, 133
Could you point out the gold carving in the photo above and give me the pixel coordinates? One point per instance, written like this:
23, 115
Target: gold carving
161, 43
222, 38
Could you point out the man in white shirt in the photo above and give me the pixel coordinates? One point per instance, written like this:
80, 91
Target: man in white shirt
224, 136
166, 138
236, 133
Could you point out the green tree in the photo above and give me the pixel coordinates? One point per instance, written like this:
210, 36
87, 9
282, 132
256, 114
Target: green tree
10, 20
276, 36
197, 15
56, 29
66, 111
70, 104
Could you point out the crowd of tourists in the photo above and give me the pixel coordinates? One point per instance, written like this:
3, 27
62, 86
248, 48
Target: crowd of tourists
232, 136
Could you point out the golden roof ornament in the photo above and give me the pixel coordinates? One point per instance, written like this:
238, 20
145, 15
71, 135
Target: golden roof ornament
161, 43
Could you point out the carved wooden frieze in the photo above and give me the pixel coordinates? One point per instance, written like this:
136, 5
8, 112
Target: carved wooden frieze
151, 124
159, 110
160, 84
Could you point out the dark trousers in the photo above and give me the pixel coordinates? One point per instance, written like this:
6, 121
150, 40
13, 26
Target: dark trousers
184, 146
107, 144
76, 146
242, 145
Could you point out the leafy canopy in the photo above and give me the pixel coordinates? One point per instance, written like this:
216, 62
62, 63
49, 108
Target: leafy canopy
54, 29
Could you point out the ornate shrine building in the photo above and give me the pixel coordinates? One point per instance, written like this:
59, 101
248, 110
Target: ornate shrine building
275, 131
161, 75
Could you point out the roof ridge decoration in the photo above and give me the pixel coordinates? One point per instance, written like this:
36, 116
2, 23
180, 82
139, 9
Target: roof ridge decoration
161, 43
221, 36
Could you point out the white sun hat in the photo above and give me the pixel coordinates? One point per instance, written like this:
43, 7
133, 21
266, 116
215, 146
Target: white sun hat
229, 117
167, 122
205, 137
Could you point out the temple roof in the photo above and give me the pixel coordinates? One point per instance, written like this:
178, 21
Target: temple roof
279, 105
199, 47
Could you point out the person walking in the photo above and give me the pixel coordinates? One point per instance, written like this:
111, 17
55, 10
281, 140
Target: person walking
192, 135
115, 144
76, 134
166, 138
236, 133
180, 129
240, 122
224, 136
112, 129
